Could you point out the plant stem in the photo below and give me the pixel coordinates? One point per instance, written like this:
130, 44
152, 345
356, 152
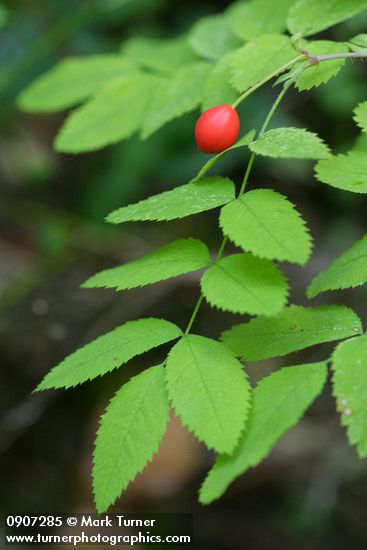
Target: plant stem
314, 59
247, 173
194, 313
269, 77
274, 108
244, 182
262, 131
221, 249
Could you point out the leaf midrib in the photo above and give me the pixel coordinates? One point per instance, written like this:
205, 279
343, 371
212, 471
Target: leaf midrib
298, 332
270, 410
112, 349
332, 269
126, 432
216, 414
272, 236
239, 282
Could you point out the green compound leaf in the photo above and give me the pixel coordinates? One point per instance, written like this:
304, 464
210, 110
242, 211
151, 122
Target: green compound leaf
159, 55
174, 259
279, 402
114, 114
350, 389
347, 271
130, 433
175, 96
256, 17
243, 283
360, 115
211, 37
209, 391
217, 88
347, 172
192, 198
290, 143
321, 73
259, 58
266, 223
294, 329
72, 81
312, 16
244, 141
109, 352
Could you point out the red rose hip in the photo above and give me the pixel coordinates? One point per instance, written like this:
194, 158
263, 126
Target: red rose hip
217, 129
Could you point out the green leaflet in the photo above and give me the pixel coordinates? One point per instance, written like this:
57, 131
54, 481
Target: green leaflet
290, 143
109, 352
350, 389
72, 81
174, 259
349, 270
114, 114
294, 329
358, 43
175, 96
279, 402
130, 433
208, 390
217, 88
192, 198
256, 17
259, 58
211, 37
244, 141
348, 172
360, 115
265, 223
312, 16
159, 55
322, 72
243, 283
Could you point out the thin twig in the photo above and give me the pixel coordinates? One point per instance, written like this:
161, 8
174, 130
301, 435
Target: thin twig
270, 76
315, 59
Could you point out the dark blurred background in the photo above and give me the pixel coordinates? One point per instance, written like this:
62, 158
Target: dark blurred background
311, 493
